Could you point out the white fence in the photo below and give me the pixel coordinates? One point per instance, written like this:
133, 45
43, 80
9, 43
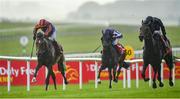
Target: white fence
125, 80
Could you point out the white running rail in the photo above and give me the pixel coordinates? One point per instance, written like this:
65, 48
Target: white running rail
125, 72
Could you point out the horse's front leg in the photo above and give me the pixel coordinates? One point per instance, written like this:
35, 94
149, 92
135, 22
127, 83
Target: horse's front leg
53, 77
159, 77
47, 79
110, 78
99, 74
36, 70
114, 74
143, 73
154, 77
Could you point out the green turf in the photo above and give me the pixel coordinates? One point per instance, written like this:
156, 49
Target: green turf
88, 91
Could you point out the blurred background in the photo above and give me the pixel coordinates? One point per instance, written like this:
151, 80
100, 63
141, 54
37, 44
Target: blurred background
79, 22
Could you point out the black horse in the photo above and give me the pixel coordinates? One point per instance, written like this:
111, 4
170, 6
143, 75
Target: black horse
111, 59
47, 56
153, 53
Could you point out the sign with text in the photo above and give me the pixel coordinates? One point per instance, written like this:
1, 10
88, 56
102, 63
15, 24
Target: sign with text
18, 72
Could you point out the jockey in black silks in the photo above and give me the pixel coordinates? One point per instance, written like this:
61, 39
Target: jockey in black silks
157, 26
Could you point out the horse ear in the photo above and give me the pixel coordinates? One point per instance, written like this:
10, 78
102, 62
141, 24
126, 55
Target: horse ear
142, 22
102, 31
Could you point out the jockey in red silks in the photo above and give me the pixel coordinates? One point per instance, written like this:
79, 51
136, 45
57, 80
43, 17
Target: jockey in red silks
49, 32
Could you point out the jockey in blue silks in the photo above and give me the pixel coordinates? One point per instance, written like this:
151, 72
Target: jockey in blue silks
116, 36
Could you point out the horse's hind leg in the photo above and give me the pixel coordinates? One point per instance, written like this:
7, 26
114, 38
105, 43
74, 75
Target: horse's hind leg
118, 72
99, 74
159, 77
125, 65
169, 62
143, 72
61, 68
53, 77
110, 78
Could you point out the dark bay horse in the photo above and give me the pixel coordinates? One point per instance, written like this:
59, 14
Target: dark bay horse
153, 54
47, 56
110, 59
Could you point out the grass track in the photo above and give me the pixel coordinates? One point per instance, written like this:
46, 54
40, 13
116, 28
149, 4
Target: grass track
88, 91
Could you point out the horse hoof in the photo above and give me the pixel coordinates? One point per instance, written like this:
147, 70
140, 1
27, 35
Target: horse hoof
161, 85
127, 67
66, 82
115, 80
33, 80
99, 82
146, 79
154, 85
171, 83
110, 87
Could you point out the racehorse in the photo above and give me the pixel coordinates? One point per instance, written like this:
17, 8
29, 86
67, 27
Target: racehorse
153, 53
111, 59
47, 56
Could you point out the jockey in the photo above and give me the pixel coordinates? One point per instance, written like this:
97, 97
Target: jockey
116, 36
49, 32
156, 25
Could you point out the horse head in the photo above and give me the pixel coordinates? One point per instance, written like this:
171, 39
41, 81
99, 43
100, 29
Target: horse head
145, 32
106, 38
41, 43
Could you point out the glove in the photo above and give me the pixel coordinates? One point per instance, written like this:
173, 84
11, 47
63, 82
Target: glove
34, 32
165, 38
34, 37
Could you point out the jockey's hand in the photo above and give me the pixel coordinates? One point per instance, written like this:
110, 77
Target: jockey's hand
46, 36
34, 37
113, 38
165, 38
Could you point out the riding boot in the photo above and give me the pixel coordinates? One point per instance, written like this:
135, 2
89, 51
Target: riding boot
166, 46
57, 48
120, 49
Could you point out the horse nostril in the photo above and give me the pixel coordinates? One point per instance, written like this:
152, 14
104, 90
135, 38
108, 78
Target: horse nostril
141, 38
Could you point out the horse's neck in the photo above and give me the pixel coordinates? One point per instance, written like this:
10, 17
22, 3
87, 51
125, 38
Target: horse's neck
152, 46
148, 44
47, 41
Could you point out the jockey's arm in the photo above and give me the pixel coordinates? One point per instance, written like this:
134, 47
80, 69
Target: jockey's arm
35, 30
49, 29
162, 27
